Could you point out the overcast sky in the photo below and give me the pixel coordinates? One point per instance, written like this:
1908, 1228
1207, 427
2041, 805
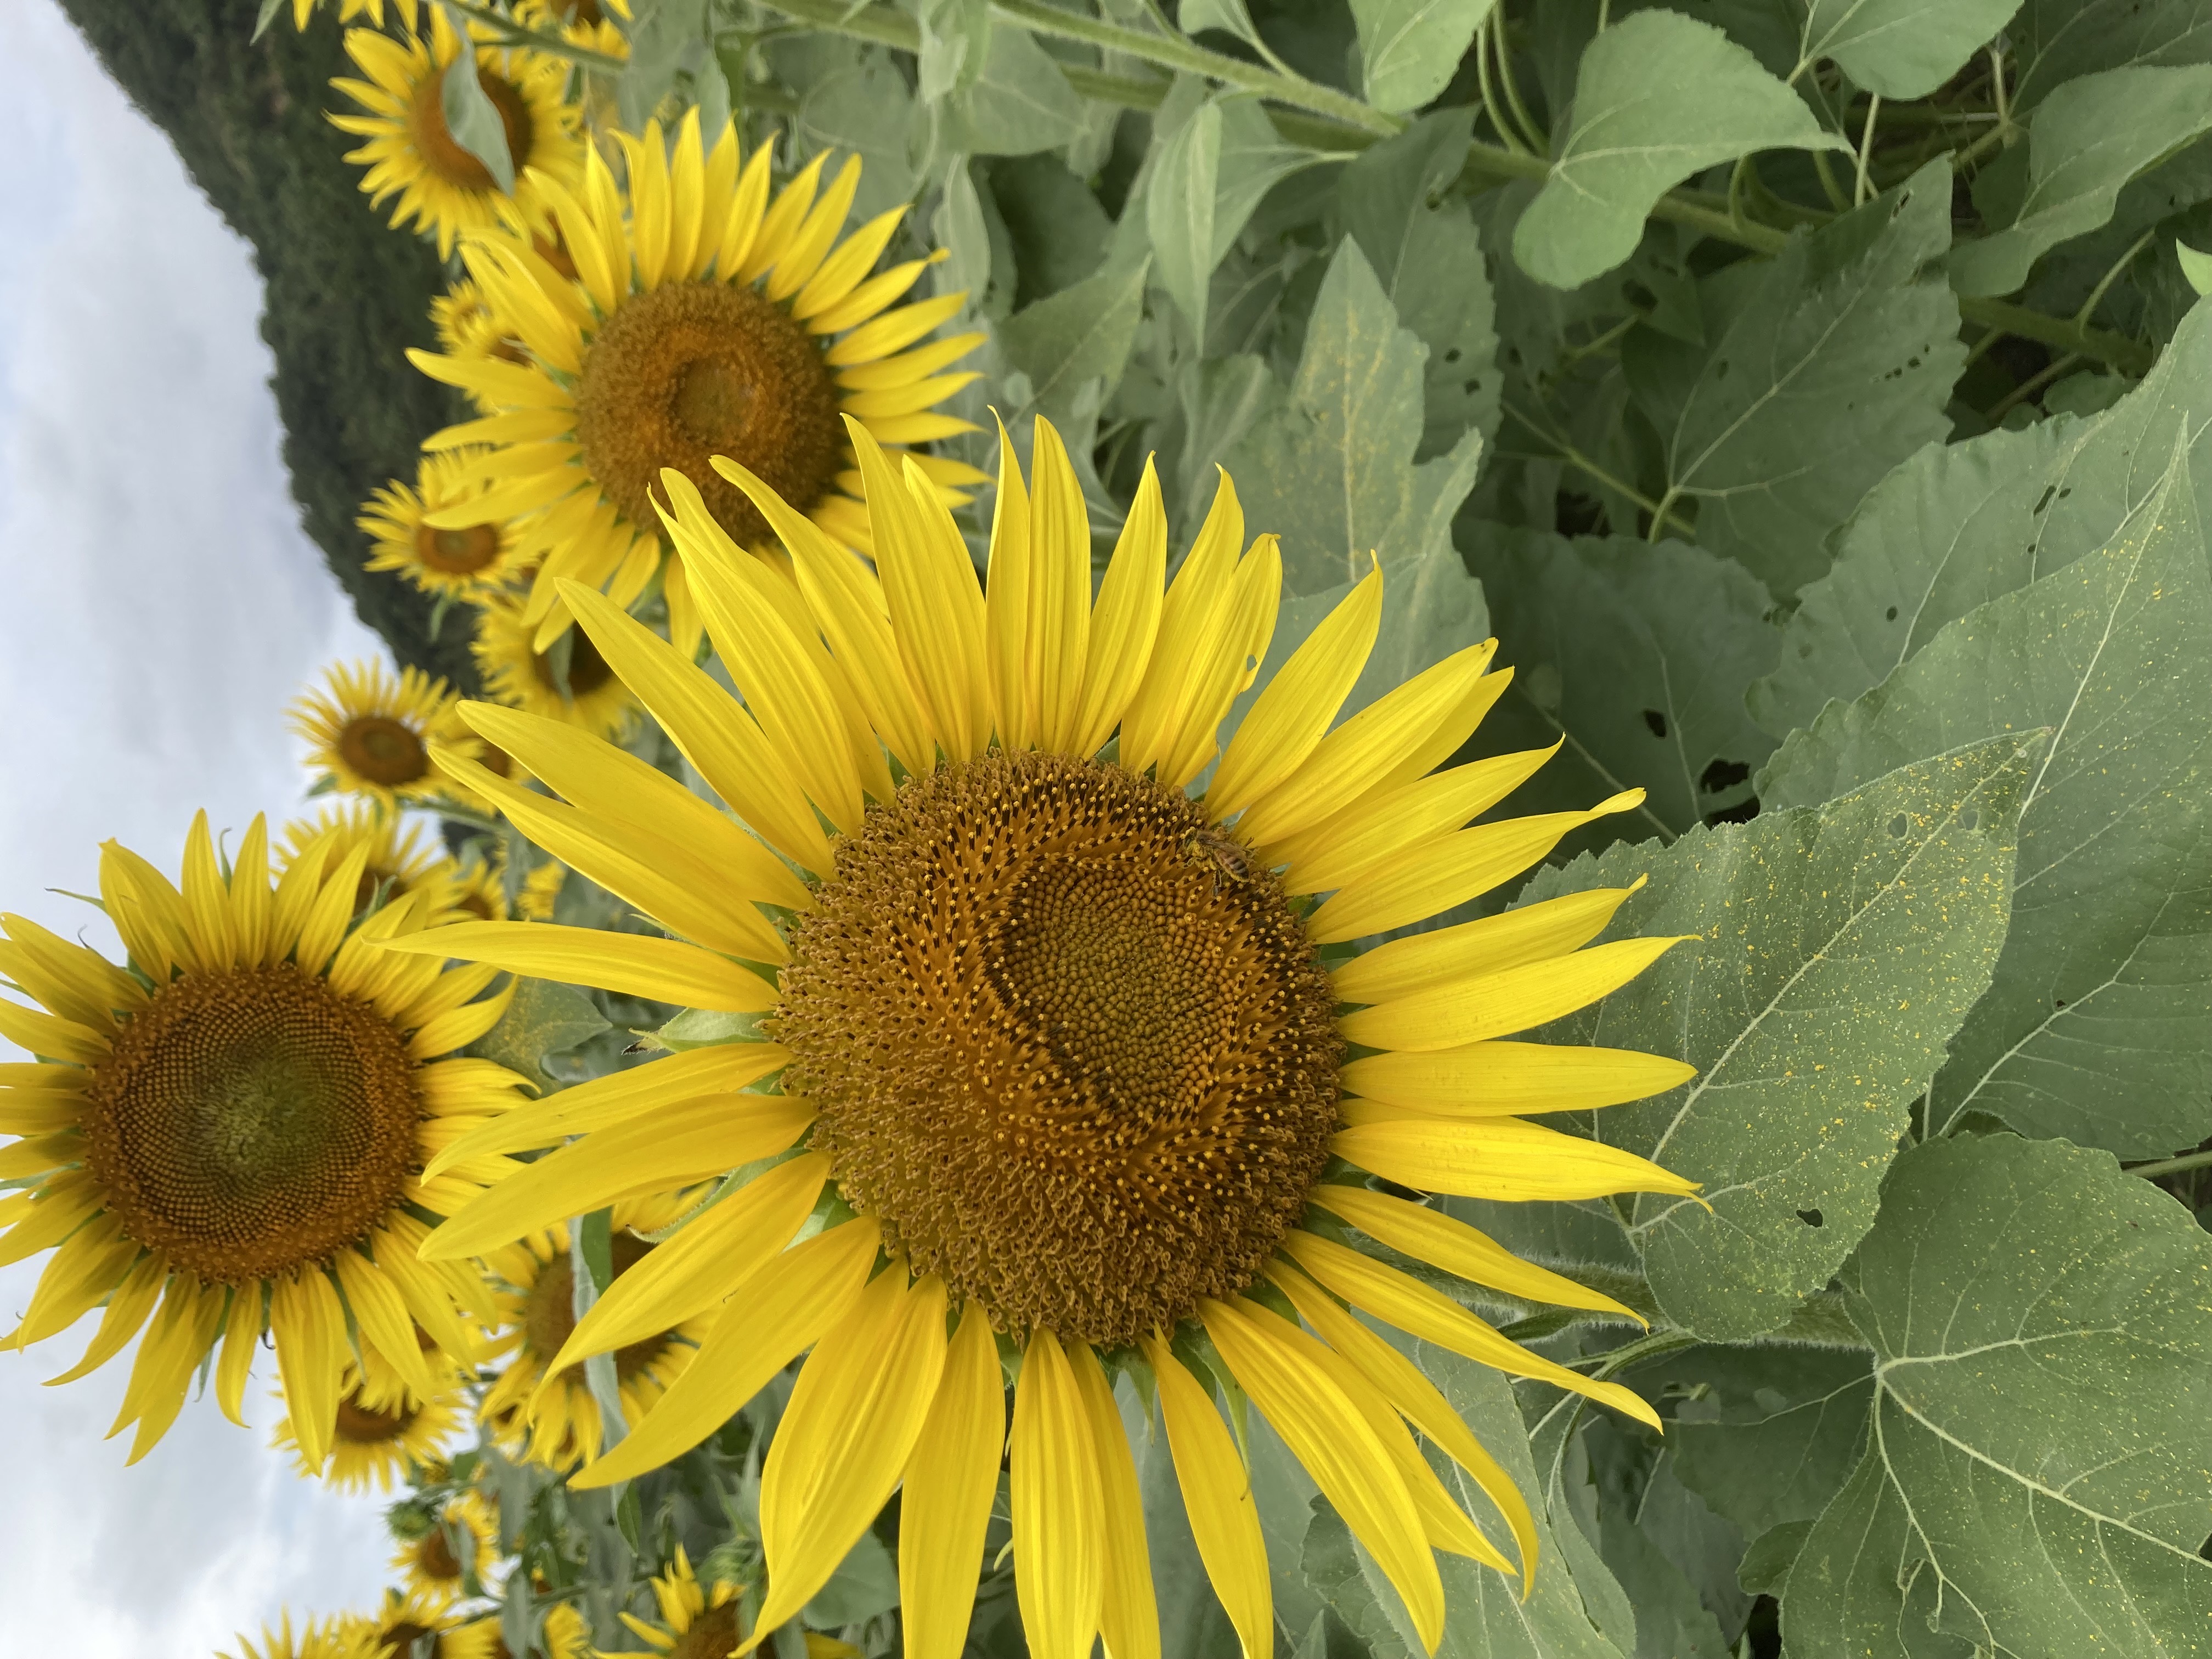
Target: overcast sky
158, 605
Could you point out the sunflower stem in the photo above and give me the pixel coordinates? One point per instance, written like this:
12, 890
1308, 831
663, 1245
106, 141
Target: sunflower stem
2172, 1165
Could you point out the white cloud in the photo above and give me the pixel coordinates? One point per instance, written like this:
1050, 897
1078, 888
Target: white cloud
158, 605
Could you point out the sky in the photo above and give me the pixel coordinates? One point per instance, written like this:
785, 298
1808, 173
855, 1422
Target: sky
158, 604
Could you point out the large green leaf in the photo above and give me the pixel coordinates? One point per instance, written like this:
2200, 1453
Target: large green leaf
545, 1019
863, 106
2056, 41
1900, 48
2090, 137
1658, 97
1834, 951
1332, 471
1769, 1434
1020, 104
1409, 50
1080, 334
2098, 1026
1824, 368
2034, 1480
1636, 656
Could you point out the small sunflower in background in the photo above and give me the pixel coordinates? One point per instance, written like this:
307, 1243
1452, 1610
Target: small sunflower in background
586, 23
709, 318
228, 1137
540, 894
406, 1618
374, 732
539, 1410
394, 862
702, 1621
476, 889
442, 189
382, 1437
466, 326
565, 1635
349, 10
1118, 1083
318, 1638
467, 562
429, 1564
519, 674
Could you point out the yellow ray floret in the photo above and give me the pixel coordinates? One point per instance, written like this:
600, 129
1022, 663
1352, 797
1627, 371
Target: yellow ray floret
694, 316
227, 1138
325, 1639
566, 681
1082, 1057
441, 188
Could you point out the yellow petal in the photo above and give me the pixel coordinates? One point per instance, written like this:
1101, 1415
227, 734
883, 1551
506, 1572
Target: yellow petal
1058, 635
83, 1273
810, 241
243, 1323
171, 1349
1448, 737
125, 1312
1274, 1362
250, 898
1500, 1158
1399, 1381
894, 330
72, 980
1127, 619
675, 1146
686, 196
1383, 824
845, 1438
62, 1206
379, 1312
1518, 999
1489, 945
618, 1096
772, 1316
1191, 619
1128, 1612
951, 1480
1058, 1507
1289, 719
665, 970
689, 1273
1425, 881
1420, 1310
782, 219
1499, 1079
1430, 1236
1006, 603
309, 1326
1229, 664
45, 1033
147, 912
1355, 756
741, 228
1217, 1495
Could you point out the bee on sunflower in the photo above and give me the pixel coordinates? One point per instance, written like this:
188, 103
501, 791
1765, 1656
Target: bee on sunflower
1068, 1088
700, 314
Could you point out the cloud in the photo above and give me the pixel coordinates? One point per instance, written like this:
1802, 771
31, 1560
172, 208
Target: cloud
158, 605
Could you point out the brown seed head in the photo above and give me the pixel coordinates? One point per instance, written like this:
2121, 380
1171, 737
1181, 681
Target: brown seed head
442, 153
384, 751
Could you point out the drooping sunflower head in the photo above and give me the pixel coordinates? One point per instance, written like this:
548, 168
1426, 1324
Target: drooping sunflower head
234, 1126
1070, 1008
443, 189
707, 316
567, 680
434, 1566
551, 1417
470, 561
375, 734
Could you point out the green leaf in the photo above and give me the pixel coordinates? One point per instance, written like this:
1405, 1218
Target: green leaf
1409, 50
1399, 203
2090, 137
2195, 266
1080, 334
2098, 1026
1827, 366
1205, 181
1333, 468
956, 37
708, 1028
1230, 17
1638, 655
2034, 1479
863, 106
865, 1585
1900, 48
1658, 97
1835, 950
1675, 1559
266, 15
545, 1018
473, 121
1020, 104
1772, 1432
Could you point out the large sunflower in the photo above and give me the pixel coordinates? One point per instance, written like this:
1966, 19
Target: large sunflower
517, 672
383, 1435
1087, 1061
443, 188
706, 320
234, 1127
470, 562
553, 1418
373, 734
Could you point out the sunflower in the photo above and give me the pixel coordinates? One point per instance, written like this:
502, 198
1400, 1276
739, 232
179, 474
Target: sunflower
382, 1436
519, 674
565, 1635
234, 1127
585, 23
372, 9
429, 1563
405, 1619
1087, 1060
708, 321
375, 734
394, 862
553, 1420
316, 1639
466, 327
541, 891
443, 188
700, 1621
470, 562
478, 888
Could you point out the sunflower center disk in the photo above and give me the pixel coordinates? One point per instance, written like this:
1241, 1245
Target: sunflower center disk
713, 1635
253, 1122
457, 552
443, 153
1065, 1057
694, 370
366, 1426
549, 1312
383, 750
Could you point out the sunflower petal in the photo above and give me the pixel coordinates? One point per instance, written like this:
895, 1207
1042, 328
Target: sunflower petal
1288, 720
950, 1483
1432, 1237
1217, 1495
1500, 1080
1384, 823
380, 1314
1495, 1004
1058, 638
125, 1312
1127, 619
1128, 1612
1190, 620
309, 1327
243, 1323
1058, 1507
1489, 945
1500, 1158
83, 1273
1006, 602
665, 970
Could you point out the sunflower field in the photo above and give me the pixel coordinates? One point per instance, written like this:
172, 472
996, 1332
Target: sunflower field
1259, 829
